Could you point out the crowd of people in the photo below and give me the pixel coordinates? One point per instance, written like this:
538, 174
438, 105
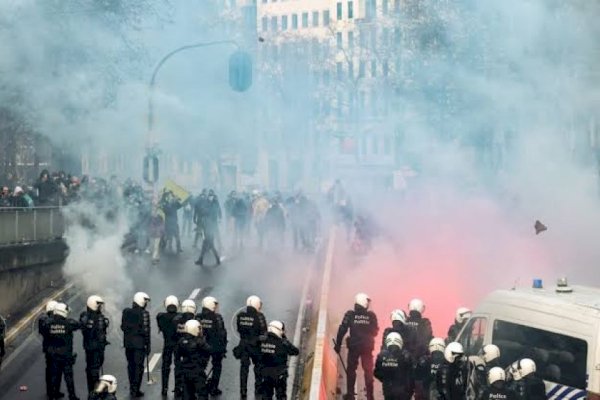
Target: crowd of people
191, 341
413, 363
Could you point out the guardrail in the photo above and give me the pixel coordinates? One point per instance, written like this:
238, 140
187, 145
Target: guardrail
27, 225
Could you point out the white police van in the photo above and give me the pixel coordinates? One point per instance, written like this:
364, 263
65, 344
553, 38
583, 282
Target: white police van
558, 327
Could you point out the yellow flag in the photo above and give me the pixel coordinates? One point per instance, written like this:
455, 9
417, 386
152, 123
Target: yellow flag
177, 190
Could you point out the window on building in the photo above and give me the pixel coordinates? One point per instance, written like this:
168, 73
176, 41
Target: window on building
361, 69
339, 11
350, 9
305, 20
384, 7
294, 21
350, 70
370, 9
373, 68
362, 39
385, 68
373, 37
559, 358
265, 24
315, 18
387, 146
326, 18
374, 145
284, 22
351, 39
338, 40
315, 48
340, 71
274, 24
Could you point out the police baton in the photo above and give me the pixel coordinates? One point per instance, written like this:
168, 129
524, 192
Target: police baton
339, 356
150, 381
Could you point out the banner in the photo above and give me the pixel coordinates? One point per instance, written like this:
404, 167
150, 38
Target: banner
177, 190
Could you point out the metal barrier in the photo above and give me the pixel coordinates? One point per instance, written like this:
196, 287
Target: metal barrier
27, 225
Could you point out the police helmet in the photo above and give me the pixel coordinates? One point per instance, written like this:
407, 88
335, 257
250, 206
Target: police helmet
394, 339
254, 302
462, 314
61, 309
453, 352
171, 301
521, 368
188, 306
107, 384
496, 374
210, 303
398, 315
193, 327
141, 299
437, 344
277, 328
362, 299
489, 353
416, 305
94, 302
51, 305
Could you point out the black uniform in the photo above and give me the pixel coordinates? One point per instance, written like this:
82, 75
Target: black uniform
454, 330
42, 326
179, 322
58, 338
273, 357
135, 325
477, 374
426, 372
2, 335
103, 396
394, 368
421, 334
167, 325
529, 388
363, 327
407, 333
451, 381
93, 327
192, 356
213, 327
251, 324
497, 391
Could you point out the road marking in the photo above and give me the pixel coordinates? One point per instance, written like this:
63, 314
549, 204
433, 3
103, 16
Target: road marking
195, 293
152, 363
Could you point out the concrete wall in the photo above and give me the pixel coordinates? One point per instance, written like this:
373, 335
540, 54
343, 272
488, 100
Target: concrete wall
27, 270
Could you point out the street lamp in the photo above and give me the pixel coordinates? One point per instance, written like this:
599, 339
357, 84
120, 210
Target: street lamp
240, 80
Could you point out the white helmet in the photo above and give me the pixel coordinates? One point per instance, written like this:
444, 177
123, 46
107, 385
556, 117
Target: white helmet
95, 302
210, 303
188, 306
437, 344
453, 351
193, 327
398, 315
362, 299
141, 299
61, 309
254, 302
171, 301
107, 383
276, 328
51, 305
521, 368
416, 305
462, 314
496, 374
489, 353
394, 339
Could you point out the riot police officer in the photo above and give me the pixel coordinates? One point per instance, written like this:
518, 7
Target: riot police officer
42, 324
94, 326
460, 319
58, 335
135, 324
192, 356
422, 333
497, 388
394, 368
478, 368
363, 327
167, 325
451, 379
106, 388
525, 383
275, 350
213, 327
250, 324
427, 366
188, 312
398, 319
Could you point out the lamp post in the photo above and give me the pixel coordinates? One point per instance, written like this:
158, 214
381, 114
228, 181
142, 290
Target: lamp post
240, 79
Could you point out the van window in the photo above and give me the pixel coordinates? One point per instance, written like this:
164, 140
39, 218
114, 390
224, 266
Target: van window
472, 335
559, 358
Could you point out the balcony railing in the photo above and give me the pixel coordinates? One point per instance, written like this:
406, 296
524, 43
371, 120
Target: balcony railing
28, 225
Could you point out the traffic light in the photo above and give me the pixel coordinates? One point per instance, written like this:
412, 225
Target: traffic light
151, 176
240, 71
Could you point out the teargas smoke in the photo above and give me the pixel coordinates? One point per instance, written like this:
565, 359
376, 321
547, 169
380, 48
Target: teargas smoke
95, 262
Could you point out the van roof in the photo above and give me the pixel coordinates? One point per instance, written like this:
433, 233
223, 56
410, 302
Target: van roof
582, 300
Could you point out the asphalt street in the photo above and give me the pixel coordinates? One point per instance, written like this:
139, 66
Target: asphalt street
275, 277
